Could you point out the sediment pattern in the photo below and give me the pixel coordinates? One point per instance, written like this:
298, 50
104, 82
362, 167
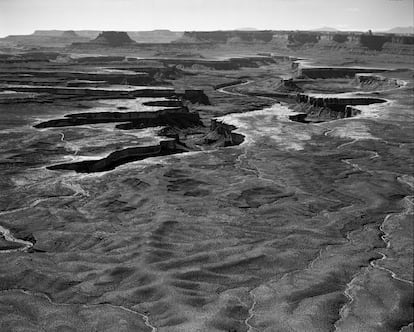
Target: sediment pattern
229, 241
286, 227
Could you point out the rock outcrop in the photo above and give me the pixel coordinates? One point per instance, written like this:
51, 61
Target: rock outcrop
121, 157
385, 42
301, 38
315, 108
178, 117
373, 81
334, 72
70, 34
194, 96
229, 36
222, 134
340, 38
174, 117
374, 43
52, 38
113, 39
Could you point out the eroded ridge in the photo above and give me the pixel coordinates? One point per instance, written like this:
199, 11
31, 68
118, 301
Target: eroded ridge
234, 218
320, 108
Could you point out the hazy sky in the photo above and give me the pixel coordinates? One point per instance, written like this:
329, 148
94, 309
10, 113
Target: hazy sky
24, 16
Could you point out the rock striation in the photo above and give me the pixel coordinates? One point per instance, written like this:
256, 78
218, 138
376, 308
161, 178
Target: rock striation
325, 107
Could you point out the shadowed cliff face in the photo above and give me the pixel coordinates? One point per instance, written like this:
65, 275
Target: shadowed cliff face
225, 36
301, 38
326, 107
340, 38
121, 157
179, 117
113, 38
219, 135
176, 122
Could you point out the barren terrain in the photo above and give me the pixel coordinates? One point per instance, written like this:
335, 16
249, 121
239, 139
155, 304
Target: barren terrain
130, 204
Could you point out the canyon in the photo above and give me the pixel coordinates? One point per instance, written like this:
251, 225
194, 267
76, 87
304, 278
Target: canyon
213, 181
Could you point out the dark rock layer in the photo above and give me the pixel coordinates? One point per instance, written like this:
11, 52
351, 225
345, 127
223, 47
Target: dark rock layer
179, 117
113, 38
121, 157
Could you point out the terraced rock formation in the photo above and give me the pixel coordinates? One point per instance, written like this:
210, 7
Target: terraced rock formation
327, 107
121, 157
261, 224
113, 39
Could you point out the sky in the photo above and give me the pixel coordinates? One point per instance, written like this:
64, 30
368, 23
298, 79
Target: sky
25, 16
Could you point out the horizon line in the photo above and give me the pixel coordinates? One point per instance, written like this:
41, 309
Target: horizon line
209, 30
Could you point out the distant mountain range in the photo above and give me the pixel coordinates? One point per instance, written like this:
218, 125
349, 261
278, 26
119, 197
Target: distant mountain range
328, 29
246, 29
396, 30
403, 30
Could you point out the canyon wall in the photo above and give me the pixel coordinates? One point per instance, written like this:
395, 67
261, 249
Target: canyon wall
225, 36
391, 43
226, 132
113, 39
325, 107
331, 72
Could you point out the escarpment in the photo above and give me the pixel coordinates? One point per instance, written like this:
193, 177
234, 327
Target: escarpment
182, 131
202, 202
388, 43
143, 119
225, 36
222, 134
334, 72
175, 117
120, 157
375, 43
317, 108
174, 140
87, 93
222, 64
301, 38
113, 39
375, 81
